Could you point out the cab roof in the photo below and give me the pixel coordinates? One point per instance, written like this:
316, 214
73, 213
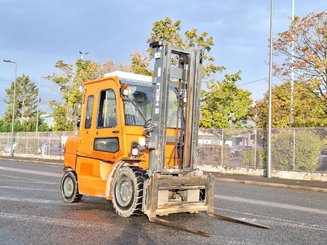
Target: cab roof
129, 77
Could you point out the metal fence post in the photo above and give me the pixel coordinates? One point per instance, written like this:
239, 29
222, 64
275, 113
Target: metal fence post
222, 148
294, 149
255, 149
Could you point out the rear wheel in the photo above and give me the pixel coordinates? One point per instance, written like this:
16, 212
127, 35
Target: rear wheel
127, 191
69, 188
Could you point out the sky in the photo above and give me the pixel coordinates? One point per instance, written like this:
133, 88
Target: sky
37, 33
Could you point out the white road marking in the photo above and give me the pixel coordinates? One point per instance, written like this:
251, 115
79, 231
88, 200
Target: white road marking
30, 182
28, 171
27, 188
31, 200
22, 179
272, 204
53, 221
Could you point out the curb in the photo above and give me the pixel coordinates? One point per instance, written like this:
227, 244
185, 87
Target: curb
49, 162
278, 185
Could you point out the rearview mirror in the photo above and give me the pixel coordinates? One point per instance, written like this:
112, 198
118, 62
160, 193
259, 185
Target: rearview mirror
78, 122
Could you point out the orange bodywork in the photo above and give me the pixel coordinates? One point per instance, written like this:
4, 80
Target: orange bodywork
95, 168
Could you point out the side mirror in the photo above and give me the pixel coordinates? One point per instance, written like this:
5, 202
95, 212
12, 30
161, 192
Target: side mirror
78, 122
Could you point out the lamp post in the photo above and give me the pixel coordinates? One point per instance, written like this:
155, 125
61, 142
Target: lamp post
292, 91
292, 74
37, 111
270, 93
13, 109
81, 53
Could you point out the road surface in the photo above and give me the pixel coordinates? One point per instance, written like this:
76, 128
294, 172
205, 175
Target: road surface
32, 212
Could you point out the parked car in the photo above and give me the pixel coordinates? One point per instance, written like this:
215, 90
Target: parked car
323, 160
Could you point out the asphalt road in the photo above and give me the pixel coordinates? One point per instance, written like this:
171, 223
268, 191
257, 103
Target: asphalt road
32, 212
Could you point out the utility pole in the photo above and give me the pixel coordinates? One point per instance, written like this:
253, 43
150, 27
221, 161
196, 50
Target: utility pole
270, 92
292, 91
13, 109
292, 73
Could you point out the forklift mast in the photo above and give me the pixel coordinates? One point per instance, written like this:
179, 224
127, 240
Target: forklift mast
182, 70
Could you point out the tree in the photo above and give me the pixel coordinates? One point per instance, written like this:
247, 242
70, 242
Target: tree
25, 101
224, 104
308, 37
140, 64
70, 81
308, 110
169, 31
26, 106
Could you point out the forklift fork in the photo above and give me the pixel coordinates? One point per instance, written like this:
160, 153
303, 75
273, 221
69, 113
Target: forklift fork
237, 221
173, 225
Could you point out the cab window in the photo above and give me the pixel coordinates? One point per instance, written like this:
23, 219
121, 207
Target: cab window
107, 114
138, 107
89, 110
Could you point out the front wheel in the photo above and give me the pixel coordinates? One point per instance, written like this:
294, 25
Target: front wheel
69, 188
127, 192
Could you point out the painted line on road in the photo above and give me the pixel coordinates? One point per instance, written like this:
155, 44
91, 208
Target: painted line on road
269, 220
28, 171
27, 188
272, 204
31, 200
54, 221
23, 200
29, 182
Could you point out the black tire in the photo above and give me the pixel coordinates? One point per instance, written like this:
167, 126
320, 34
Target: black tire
69, 188
127, 191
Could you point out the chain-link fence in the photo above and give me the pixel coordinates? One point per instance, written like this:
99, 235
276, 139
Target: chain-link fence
47, 145
294, 149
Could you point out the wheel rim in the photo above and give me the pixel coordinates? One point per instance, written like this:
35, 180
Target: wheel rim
68, 187
124, 191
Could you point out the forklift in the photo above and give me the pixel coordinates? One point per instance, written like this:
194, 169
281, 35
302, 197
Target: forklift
137, 142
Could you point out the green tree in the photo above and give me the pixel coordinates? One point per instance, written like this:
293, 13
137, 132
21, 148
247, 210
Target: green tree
26, 103
169, 31
224, 104
140, 64
308, 110
70, 80
303, 48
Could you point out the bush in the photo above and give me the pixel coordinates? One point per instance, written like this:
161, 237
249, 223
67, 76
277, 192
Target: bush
307, 150
248, 158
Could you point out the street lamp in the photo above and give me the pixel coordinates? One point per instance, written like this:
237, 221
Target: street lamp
13, 109
81, 53
270, 92
292, 74
37, 111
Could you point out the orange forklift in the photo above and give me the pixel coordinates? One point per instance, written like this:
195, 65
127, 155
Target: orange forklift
137, 142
